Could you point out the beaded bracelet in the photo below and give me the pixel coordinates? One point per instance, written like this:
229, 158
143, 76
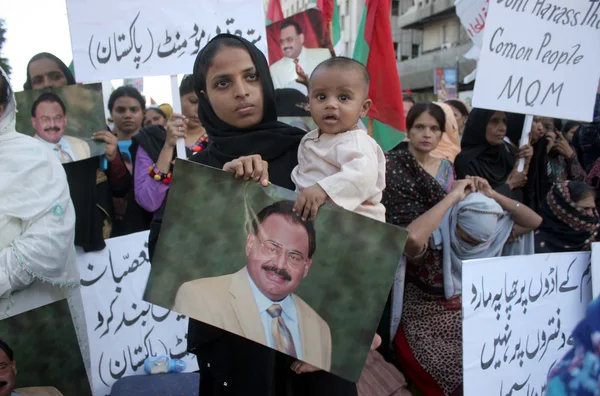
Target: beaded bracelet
159, 176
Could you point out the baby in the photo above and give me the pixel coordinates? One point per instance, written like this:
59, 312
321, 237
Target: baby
338, 162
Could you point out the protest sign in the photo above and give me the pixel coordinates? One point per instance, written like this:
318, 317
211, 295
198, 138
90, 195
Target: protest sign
45, 353
122, 329
332, 281
64, 119
145, 38
540, 58
472, 14
518, 316
596, 269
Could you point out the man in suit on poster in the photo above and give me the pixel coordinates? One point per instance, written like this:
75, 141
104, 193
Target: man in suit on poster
295, 54
257, 302
8, 375
49, 119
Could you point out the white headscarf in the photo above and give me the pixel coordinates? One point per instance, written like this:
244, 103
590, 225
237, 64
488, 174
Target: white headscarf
37, 218
484, 220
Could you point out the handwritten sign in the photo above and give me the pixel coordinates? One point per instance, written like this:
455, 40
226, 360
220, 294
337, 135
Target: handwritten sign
472, 14
540, 58
518, 316
122, 329
145, 38
596, 269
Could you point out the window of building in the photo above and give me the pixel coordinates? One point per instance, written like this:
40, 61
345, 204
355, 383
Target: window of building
395, 7
415, 51
396, 50
444, 34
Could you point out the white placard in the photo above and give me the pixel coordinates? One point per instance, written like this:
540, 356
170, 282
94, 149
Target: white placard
518, 316
540, 57
472, 14
122, 329
596, 269
125, 39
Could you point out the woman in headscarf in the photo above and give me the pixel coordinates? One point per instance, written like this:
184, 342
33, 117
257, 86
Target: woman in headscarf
461, 114
485, 153
237, 108
463, 225
37, 218
449, 145
155, 116
91, 188
570, 219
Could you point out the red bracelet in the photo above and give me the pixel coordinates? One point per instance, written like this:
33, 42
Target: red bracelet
159, 176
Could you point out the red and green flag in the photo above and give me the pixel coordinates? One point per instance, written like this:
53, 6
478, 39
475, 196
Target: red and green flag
374, 48
331, 16
274, 12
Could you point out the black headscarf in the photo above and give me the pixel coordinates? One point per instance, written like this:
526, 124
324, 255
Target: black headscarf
276, 142
565, 227
478, 157
61, 65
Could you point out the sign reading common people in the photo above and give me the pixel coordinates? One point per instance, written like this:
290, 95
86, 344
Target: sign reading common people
540, 57
122, 39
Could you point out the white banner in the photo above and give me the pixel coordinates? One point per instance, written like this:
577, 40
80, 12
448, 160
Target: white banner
518, 316
122, 329
472, 14
114, 39
596, 269
540, 58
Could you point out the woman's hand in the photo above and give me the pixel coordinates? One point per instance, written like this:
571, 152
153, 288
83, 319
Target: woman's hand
112, 143
516, 179
563, 147
482, 185
176, 128
551, 138
461, 188
249, 167
525, 152
309, 201
376, 342
302, 367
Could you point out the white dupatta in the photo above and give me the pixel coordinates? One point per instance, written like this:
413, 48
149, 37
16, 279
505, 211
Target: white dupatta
37, 218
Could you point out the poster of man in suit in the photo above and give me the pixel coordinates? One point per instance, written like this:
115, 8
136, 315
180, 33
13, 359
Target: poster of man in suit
63, 119
243, 262
258, 301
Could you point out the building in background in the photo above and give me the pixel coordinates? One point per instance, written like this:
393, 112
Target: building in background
428, 35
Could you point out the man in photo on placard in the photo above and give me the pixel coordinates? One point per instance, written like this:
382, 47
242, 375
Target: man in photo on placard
258, 302
8, 375
295, 55
49, 119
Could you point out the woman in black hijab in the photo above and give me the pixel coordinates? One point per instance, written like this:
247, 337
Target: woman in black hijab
485, 153
237, 108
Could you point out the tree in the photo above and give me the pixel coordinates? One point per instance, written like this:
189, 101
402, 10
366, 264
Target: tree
3, 61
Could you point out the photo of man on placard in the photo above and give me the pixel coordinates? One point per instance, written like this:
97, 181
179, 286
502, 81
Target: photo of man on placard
297, 56
258, 302
49, 119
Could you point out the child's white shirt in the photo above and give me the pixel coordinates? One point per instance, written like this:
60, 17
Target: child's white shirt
349, 166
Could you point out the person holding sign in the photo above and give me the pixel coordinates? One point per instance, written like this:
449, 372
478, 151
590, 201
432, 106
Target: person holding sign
37, 218
485, 153
237, 108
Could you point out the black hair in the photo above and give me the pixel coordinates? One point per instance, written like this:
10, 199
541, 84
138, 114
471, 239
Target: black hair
344, 63
458, 105
426, 107
567, 126
61, 65
204, 62
408, 98
9, 352
287, 23
580, 190
558, 124
126, 91
5, 90
48, 97
157, 110
285, 208
187, 85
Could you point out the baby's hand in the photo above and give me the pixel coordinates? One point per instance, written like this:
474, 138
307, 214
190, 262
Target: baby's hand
310, 200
